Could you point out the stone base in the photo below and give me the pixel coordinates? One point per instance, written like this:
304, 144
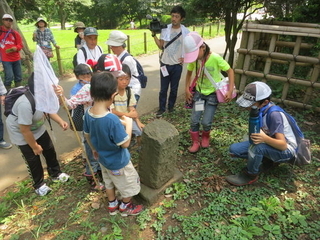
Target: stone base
150, 196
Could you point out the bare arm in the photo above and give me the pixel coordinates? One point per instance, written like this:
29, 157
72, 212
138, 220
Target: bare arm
188, 82
63, 124
279, 142
230, 73
29, 138
158, 41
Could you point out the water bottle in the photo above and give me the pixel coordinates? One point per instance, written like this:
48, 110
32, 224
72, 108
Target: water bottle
254, 122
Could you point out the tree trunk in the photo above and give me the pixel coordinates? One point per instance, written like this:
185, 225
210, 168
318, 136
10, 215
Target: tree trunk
26, 54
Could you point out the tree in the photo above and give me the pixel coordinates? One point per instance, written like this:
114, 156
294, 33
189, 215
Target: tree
26, 53
226, 10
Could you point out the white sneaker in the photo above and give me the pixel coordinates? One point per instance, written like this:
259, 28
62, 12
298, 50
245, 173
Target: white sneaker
43, 190
63, 177
5, 145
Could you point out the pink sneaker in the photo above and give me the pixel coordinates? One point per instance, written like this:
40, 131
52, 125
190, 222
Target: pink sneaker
130, 209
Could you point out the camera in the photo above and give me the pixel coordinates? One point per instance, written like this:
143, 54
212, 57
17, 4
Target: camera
155, 25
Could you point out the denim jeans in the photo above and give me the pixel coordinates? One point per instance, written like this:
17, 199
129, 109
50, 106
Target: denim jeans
173, 80
12, 71
93, 162
210, 107
1, 125
255, 153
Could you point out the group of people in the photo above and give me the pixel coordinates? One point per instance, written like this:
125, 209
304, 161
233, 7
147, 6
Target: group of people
108, 81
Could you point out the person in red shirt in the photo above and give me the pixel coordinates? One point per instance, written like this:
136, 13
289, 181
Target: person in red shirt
10, 45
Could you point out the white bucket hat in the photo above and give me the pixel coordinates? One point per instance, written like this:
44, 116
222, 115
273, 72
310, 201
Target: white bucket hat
116, 38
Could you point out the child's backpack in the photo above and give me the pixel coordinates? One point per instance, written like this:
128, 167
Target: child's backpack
12, 97
141, 77
77, 118
303, 153
75, 62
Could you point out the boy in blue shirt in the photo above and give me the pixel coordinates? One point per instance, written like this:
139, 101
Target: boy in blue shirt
109, 140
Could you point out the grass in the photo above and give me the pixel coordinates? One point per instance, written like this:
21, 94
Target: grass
283, 204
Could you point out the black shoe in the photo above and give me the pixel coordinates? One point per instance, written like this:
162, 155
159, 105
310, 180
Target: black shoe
242, 178
268, 165
171, 110
159, 113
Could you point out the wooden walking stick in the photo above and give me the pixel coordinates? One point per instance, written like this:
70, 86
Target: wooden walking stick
63, 101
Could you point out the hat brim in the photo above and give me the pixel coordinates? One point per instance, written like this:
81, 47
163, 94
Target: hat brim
113, 43
191, 57
118, 73
242, 102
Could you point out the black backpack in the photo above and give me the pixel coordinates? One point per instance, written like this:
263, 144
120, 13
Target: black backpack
75, 62
12, 97
141, 77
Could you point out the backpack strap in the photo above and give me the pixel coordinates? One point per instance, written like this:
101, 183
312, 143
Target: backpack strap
128, 92
124, 56
99, 48
294, 126
172, 40
84, 53
30, 97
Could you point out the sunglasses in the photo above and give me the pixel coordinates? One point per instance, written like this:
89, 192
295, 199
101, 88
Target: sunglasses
8, 19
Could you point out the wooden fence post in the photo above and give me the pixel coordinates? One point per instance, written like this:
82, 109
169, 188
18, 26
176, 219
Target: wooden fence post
128, 45
59, 61
145, 42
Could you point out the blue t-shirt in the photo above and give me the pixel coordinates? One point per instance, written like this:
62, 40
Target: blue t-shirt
107, 134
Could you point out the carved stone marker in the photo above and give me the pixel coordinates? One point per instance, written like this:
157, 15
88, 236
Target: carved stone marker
157, 164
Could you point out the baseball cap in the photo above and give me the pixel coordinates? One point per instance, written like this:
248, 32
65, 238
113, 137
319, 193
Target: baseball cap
6, 16
254, 92
110, 63
191, 44
116, 38
90, 31
82, 69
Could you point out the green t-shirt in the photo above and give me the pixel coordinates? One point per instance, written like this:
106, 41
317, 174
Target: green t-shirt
215, 64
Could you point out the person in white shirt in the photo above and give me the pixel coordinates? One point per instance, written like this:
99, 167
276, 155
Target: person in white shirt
171, 59
92, 51
116, 41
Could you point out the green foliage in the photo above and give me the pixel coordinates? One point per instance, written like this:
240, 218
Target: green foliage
283, 204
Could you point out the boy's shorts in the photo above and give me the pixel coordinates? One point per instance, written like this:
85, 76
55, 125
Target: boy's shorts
126, 180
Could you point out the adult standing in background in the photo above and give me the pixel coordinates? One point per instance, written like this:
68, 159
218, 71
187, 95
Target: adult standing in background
171, 60
10, 45
90, 52
44, 37
79, 28
116, 41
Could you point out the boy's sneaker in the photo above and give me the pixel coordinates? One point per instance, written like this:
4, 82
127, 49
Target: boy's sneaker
43, 190
130, 209
5, 145
62, 177
113, 210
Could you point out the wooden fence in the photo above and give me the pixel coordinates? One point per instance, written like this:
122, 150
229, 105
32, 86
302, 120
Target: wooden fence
135, 42
286, 56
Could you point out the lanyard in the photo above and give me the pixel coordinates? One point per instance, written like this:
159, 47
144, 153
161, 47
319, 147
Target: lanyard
5, 37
